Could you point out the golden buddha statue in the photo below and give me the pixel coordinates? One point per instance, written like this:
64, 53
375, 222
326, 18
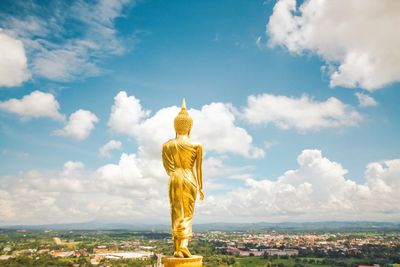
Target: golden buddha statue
179, 156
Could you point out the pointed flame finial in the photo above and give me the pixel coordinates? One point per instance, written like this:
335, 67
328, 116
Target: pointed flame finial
183, 103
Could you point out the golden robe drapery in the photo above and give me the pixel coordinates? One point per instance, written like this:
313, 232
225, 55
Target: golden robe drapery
178, 159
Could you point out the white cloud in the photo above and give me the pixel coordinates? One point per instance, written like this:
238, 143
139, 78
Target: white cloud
126, 114
316, 191
64, 64
135, 190
66, 41
214, 125
35, 105
383, 176
302, 113
79, 125
41, 105
13, 62
109, 146
365, 100
72, 166
356, 39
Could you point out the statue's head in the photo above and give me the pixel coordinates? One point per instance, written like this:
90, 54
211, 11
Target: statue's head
183, 122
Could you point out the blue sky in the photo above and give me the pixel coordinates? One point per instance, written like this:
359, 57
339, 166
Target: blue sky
85, 53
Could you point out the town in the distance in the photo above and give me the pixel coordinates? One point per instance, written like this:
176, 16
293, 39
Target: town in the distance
320, 244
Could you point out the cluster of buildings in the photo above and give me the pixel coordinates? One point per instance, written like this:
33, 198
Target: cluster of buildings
126, 250
260, 252
117, 255
273, 243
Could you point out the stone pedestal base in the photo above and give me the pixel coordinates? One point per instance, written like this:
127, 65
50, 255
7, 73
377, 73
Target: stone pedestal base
194, 261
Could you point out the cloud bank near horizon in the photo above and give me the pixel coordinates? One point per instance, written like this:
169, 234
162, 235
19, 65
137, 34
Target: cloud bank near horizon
135, 189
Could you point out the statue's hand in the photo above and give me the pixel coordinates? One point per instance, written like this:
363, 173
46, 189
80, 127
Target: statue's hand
201, 194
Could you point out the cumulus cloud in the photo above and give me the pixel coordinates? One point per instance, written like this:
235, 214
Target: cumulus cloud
214, 125
126, 114
132, 189
44, 105
359, 50
13, 62
109, 146
316, 190
365, 100
79, 125
302, 113
135, 190
35, 105
66, 41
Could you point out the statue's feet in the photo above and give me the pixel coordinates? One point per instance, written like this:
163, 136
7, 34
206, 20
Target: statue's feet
186, 253
178, 254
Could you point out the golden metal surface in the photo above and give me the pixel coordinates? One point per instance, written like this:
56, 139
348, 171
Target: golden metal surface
179, 156
194, 261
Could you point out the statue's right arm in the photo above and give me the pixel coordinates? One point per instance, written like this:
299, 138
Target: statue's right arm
168, 162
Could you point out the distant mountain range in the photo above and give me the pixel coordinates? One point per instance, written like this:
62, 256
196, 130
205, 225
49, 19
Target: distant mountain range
262, 226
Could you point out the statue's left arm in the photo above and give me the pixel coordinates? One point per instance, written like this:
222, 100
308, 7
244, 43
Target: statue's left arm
199, 174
